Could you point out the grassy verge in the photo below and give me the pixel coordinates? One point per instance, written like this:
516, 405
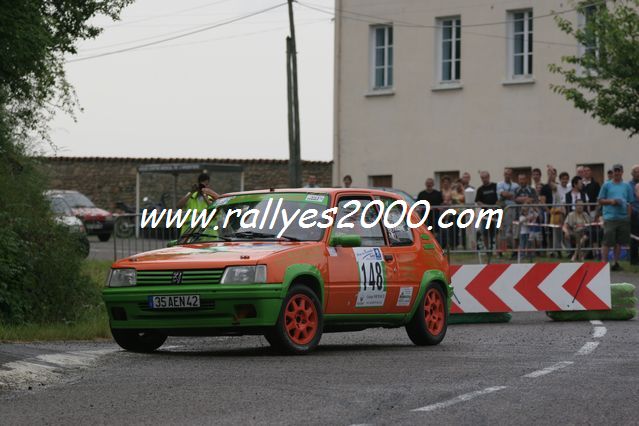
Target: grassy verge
93, 324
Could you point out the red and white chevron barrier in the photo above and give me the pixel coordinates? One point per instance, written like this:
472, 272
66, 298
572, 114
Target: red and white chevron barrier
530, 287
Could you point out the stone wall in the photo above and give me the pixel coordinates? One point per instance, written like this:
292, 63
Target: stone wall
107, 180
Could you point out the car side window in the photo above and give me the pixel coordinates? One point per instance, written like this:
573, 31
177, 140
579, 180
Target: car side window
350, 214
402, 234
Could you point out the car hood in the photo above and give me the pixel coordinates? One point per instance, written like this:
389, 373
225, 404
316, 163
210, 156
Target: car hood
207, 255
91, 213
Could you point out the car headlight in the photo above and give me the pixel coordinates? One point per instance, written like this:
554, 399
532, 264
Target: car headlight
122, 278
244, 275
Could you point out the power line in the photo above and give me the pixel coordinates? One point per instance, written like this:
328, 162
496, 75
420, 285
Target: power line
153, 43
230, 37
92, 49
414, 25
123, 43
376, 20
177, 12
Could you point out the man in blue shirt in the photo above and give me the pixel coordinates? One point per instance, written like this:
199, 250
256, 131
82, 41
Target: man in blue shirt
634, 216
616, 197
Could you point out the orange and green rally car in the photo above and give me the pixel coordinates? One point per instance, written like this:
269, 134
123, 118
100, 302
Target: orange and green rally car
240, 277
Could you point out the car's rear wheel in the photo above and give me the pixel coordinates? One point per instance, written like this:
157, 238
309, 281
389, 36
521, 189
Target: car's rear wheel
299, 326
104, 237
138, 341
428, 325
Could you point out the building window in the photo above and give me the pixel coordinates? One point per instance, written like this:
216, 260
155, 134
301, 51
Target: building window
521, 171
449, 57
381, 181
597, 170
585, 18
521, 43
452, 175
382, 56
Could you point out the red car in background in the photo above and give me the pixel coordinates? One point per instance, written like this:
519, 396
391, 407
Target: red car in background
96, 220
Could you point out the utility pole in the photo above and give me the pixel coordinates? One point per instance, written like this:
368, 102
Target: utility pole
294, 162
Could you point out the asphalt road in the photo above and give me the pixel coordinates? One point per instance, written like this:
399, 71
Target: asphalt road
529, 371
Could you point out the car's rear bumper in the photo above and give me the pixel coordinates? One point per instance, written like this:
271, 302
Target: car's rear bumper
225, 309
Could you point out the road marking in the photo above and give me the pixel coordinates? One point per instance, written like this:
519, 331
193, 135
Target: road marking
599, 332
548, 370
588, 348
461, 398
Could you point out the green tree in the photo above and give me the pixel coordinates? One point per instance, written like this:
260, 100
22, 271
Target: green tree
40, 277
35, 36
603, 80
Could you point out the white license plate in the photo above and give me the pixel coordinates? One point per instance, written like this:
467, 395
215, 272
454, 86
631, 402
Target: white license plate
183, 301
94, 226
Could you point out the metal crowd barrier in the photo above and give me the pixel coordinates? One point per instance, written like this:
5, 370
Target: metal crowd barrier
545, 234
127, 242
582, 242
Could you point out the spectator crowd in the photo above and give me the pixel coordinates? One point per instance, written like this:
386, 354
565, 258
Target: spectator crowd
561, 215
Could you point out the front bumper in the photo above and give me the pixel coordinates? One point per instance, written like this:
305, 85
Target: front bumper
103, 227
221, 307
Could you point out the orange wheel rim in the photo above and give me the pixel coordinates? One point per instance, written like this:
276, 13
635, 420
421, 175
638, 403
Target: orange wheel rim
434, 312
300, 319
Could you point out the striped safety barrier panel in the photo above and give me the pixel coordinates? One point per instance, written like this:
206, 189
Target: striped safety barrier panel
530, 287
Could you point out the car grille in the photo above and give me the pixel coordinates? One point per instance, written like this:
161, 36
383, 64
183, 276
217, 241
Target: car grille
207, 276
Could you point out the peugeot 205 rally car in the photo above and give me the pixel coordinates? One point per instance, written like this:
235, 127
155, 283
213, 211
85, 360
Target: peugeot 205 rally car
254, 270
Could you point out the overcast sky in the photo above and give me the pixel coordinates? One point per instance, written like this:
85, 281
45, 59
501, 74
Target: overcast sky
220, 93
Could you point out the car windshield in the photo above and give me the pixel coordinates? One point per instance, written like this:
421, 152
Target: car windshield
251, 217
60, 207
75, 200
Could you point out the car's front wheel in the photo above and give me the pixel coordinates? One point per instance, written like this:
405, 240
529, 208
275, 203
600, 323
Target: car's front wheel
138, 341
299, 326
428, 325
104, 237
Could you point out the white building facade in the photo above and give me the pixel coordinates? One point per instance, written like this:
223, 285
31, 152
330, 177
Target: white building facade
425, 88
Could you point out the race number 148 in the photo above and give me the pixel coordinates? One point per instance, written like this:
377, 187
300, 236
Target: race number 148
372, 276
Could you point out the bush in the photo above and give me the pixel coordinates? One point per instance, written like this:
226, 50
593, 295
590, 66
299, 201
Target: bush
40, 264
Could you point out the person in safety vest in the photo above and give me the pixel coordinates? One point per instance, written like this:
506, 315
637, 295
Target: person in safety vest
199, 198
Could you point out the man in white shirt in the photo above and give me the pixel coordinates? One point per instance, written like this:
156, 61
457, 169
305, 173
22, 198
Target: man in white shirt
576, 193
563, 188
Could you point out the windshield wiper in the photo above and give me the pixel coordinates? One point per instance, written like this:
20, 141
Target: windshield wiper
191, 238
252, 234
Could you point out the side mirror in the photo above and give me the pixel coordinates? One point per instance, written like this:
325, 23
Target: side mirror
172, 243
348, 240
